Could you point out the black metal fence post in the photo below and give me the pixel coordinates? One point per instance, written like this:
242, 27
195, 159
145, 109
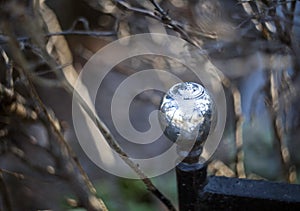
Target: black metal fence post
191, 178
187, 112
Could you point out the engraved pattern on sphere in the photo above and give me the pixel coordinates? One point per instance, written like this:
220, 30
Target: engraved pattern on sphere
186, 112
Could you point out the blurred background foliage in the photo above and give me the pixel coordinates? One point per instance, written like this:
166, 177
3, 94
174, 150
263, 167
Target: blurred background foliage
255, 45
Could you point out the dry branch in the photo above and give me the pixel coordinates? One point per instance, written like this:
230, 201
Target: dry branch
64, 56
5, 194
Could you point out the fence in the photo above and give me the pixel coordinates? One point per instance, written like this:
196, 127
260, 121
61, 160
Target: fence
187, 113
196, 191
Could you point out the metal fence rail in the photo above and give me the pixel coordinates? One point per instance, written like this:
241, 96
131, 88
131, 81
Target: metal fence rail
187, 113
196, 191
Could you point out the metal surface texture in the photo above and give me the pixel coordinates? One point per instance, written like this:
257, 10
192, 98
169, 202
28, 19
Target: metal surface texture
222, 193
186, 112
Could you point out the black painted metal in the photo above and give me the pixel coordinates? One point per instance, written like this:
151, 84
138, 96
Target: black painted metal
191, 178
198, 192
222, 193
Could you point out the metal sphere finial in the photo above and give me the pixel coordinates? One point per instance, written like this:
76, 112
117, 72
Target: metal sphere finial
187, 112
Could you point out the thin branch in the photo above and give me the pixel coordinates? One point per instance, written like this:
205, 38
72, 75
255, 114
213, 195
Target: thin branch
5, 194
218, 168
19, 154
21, 111
16, 104
12, 173
9, 70
83, 33
126, 6
69, 86
4, 38
6, 93
161, 16
163, 13
90, 200
239, 120
293, 9
63, 144
277, 124
285, 38
166, 19
290, 14
113, 144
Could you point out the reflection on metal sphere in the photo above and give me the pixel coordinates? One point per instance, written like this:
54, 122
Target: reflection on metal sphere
187, 112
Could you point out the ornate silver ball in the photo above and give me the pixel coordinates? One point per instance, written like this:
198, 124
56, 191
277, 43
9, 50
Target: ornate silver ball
187, 112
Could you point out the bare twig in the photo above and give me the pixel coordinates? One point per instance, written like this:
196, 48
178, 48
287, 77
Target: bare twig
240, 168
239, 119
126, 6
68, 85
159, 15
289, 16
21, 111
292, 11
87, 197
219, 168
103, 129
19, 154
9, 70
5, 194
4, 39
278, 125
113, 143
83, 33
285, 36
16, 104
12, 173
7, 93
166, 19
